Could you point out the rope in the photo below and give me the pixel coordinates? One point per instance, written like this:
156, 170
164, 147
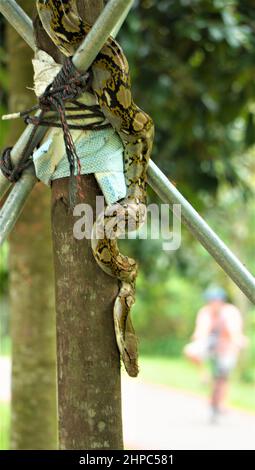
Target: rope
67, 86
10, 171
13, 172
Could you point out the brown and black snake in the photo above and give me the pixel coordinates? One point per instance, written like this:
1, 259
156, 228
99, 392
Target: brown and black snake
112, 86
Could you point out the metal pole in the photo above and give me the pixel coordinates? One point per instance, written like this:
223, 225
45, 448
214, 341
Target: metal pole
114, 12
17, 151
19, 20
201, 230
121, 21
15, 202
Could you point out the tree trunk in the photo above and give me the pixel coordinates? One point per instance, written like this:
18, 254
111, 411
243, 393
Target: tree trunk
31, 286
89, 389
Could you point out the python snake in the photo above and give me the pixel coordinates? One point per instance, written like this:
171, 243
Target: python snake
112, 86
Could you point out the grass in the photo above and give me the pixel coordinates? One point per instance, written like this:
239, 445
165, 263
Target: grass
180, 374
4, 425
5, 346
172, 372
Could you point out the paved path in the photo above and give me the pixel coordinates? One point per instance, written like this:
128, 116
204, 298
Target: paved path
158, 417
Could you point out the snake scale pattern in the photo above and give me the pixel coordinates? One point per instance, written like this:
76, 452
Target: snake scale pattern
112, 87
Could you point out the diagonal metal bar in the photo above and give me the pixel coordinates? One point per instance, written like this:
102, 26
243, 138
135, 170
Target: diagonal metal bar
201, 230
159, 182
117, 27
17, 151
19, 20
114, 12
15, 202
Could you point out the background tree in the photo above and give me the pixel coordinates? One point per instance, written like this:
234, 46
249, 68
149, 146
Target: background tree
31, 289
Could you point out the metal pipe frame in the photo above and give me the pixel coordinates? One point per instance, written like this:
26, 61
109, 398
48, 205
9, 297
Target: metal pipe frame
110, 20
112, 16
15, 202
203, 232
19, 20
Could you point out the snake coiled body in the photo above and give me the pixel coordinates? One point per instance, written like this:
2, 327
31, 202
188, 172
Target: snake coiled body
111, 84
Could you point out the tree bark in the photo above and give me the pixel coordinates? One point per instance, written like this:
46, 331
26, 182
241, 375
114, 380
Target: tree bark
33, 331
89, 388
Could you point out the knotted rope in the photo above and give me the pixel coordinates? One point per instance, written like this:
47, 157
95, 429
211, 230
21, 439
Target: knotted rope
67, 86
10, 171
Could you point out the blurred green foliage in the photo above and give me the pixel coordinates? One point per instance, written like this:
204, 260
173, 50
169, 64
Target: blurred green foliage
180, 374
193, 70
4, 272
171, 284
192, 64
4, 426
